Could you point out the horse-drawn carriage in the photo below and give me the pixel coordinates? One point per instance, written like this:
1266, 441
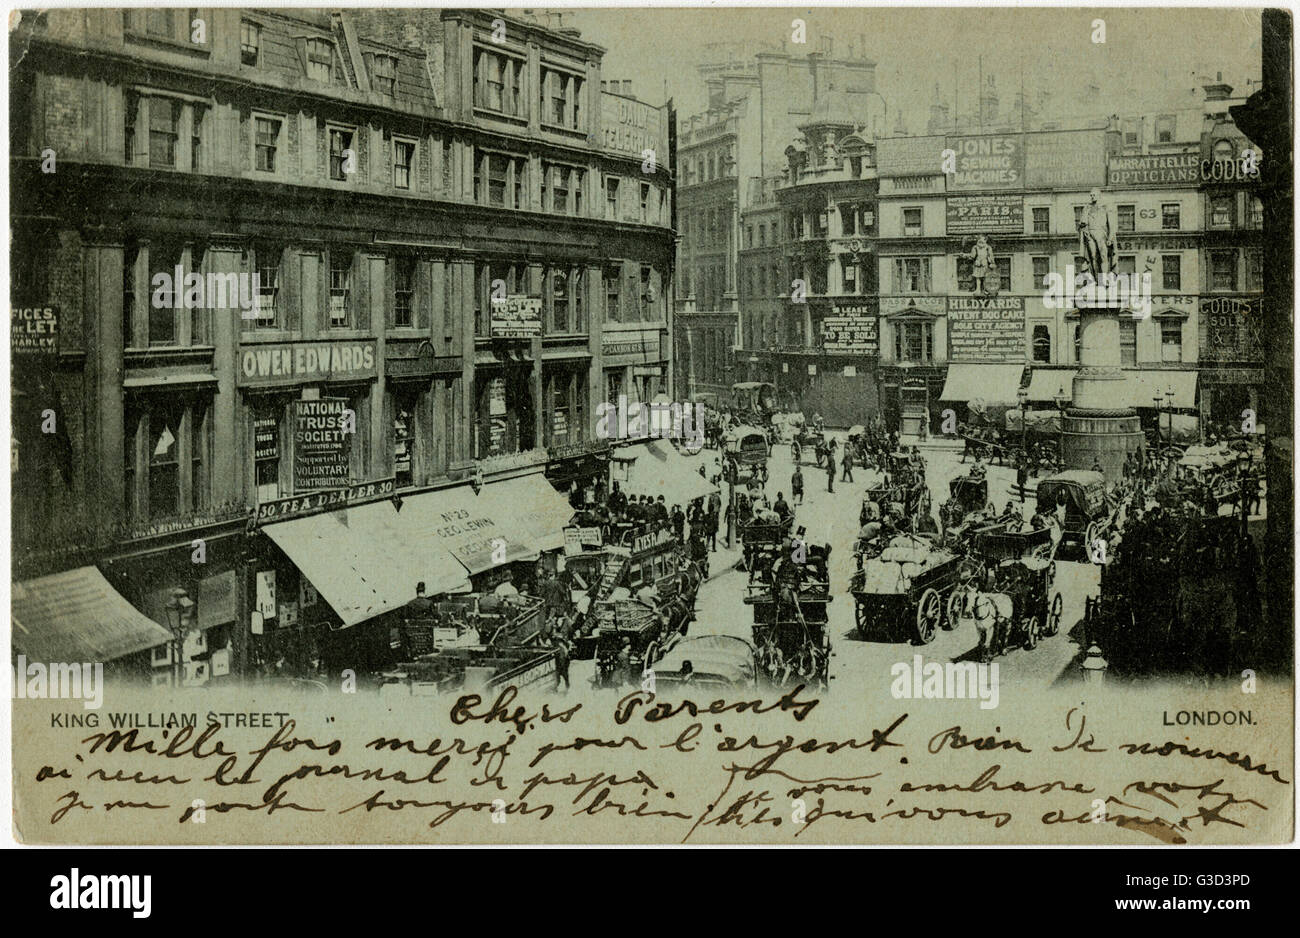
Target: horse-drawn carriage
1011, 600
746, 450
1078, 498
790, 632
807, 440
908, 583
761, 537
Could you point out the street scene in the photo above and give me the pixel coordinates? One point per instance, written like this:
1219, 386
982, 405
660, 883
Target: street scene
452, 350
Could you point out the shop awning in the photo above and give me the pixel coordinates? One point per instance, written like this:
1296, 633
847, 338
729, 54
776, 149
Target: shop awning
538, 507
481, 531
656, 468
77, 616
993, 384
366, 560
1046, 383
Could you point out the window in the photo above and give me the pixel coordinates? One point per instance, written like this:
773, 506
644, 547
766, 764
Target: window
498, 82
266, 451
250, 42
611, 197
1170, 216
913, 341
1165, 128
164, 293
848, 219
1078, 215
1127, 341
320, 60
1171, 340
342, 157
912, 275
1126, 264
559, 303
130, 118
1223, 151
161, 23
1223, 270
1004, 272
1171, 272
613, 300
645, 202
749, 236
266, 264
1042, 343
1042, 219
911, 222
404, 425
1254, 270
403, 291
513, 281
1131, 132
762, 235
1077, 341
403, 159
497, 176
561, 188
196, 137
1221, 211
1256, 212
164, 463
849, 274
340, 287
383, 72
1126, 217
1042, 267
130, 260
165, 457
267, 143
648, 295
164, 119
561, 99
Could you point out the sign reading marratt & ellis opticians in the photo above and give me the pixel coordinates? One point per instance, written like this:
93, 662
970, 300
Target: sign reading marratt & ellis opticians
303, 362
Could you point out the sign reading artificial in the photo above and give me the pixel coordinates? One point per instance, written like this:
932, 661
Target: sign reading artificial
306, 362
986, 329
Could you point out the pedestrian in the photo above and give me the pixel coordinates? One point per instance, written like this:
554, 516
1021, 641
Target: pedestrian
679, 523
561, 663
713, 518
796, 485
848, 465
1022, 475
830, 472
623, 669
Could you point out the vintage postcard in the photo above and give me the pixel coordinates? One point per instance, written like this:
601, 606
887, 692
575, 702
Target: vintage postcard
702, 425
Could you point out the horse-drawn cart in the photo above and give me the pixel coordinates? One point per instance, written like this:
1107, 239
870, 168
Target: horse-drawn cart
790, 632
907, 584
1013, 601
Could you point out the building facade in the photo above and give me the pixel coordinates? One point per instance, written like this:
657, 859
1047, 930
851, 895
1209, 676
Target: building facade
295, 250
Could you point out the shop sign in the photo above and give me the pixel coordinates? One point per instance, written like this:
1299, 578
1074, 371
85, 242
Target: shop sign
1178, 169
33, 331
986, 329
516, 317
1065, 160
850, 334
298, 505
986, 214
892, 305
994, 161
322, 437
306, 362
631, 127
1231, 329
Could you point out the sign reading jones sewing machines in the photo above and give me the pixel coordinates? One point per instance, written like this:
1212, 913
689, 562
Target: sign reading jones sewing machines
996, 161
986, 329
851, 330
516, 317
986, 214
322, 439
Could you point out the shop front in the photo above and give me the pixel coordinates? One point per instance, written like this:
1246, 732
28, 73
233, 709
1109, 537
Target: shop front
634, 365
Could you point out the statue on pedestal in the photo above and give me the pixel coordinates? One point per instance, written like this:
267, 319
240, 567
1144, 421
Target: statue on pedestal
1097, 238
983, 268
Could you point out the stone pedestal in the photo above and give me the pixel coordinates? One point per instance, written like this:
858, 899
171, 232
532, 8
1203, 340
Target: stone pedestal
1098, 429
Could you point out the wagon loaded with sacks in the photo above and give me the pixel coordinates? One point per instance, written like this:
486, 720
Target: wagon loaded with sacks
909, 584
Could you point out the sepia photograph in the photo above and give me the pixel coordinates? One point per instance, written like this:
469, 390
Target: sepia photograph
669, 425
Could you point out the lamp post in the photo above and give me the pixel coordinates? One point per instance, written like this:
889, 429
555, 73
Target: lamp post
1061, 400
1158, 400
1022, 395
1169, 395
178, 611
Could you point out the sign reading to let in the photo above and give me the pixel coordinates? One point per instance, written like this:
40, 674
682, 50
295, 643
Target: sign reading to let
996, 161
322, 437
517, 317
305, 362
986, 214
986, 329
33, 331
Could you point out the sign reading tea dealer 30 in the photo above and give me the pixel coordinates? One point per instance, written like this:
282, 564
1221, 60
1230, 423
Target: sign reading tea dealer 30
306, 362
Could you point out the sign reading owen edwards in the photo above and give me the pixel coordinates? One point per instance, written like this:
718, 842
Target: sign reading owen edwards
306, 362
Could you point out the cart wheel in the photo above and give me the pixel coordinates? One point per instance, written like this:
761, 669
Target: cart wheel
1032, 632
1053, 624
1089, 537
928, 613
860, 618
954, 609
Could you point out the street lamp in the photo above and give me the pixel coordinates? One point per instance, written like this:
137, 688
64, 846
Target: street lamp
1158, 400
1170, 397
178, 608
1061, 400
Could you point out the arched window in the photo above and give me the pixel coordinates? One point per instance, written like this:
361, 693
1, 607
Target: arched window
1042, 344
1223, 150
